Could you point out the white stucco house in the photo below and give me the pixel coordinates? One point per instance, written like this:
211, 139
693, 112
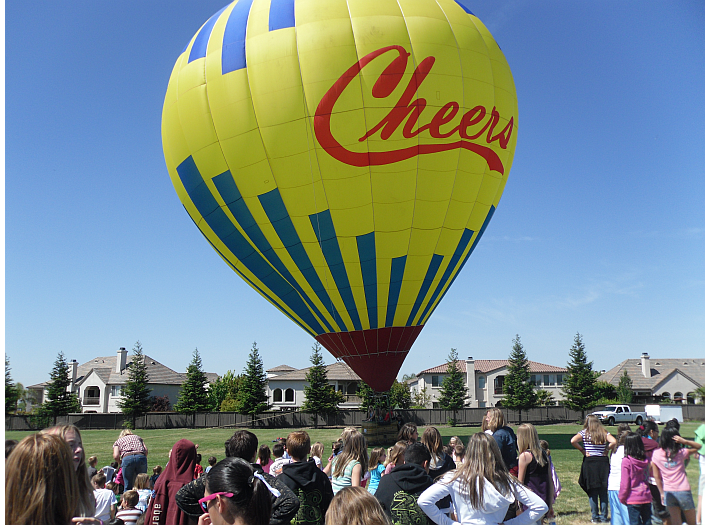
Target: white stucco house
99, 382
484, 380
285, 387
661, 380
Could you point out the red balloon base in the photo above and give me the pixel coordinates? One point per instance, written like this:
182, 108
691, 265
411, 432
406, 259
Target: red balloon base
376, 355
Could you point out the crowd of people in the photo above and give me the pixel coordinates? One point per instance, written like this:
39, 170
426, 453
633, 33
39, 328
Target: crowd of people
499, 476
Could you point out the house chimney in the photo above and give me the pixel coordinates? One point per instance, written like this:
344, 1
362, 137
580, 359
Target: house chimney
74, 374
121, 362
470, 381
645, 365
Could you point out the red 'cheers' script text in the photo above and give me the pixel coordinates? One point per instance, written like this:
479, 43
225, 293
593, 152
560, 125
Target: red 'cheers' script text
472, 125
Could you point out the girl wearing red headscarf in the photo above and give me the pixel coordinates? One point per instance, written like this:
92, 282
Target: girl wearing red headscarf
177, 473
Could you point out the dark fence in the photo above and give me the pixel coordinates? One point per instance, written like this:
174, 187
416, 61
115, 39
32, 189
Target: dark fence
342, 418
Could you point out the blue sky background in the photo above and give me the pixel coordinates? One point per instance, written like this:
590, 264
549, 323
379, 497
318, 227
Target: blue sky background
601, 228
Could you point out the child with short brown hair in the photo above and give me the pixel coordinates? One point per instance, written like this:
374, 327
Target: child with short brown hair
129, 514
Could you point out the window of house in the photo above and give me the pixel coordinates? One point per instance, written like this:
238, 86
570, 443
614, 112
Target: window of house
289, 395
499, 385
559, 379
535, 380
482, 404
666, 395
678, 396
481, 381
116, 390
436, 405
436, 381
277, 395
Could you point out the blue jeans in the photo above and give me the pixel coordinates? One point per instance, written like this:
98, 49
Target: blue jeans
620, 514
599, 512
131, 466
640, 514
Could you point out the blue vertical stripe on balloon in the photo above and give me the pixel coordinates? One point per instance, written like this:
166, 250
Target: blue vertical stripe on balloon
395, 282
216, 219
200, 45
226, 186
275, 209
233, 56
433, 266
368, 264
463, 4
472, 248
464, 240
325, 232
281, 14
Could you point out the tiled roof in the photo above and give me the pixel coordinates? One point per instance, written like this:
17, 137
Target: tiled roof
282, 368
693, 369
487, 365
338, 371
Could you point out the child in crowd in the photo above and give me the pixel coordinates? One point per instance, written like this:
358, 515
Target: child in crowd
279, 460
534, 465
129, 514
306, 480
395, 456
211, 463
669, 470
198, 469
556, 482
349, 466
620, 512
459, 454
264, 457
633, 489
109, 471
482, 489
119, 481
355, 506
105, 500
143, 491
376, 468
92, 462
155, 474
317, 453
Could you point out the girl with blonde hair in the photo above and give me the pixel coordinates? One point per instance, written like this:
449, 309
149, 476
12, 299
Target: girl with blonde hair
535, 465
396, 455
505, 438
482, 489
350, 465
317, 453
72, 436
593, 441
355, 506
40, 482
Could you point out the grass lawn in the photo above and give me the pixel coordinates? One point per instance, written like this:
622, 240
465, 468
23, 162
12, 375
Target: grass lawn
571, 506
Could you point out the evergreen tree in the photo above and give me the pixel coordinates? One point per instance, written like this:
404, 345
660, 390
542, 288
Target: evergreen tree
624, 390
321, 397
604, 392
519, 393
579, 386
453, 391
252, 397
545, 398
60, 401
135, 399
11, 390
421, 398
224, 390
193, 396
365, 392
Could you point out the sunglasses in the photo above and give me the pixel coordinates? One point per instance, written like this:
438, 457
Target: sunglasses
203, 502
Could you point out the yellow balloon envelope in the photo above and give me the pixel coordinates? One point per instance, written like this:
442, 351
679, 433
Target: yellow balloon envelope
344, 158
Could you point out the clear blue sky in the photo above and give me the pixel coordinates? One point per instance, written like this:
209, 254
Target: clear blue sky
601, 228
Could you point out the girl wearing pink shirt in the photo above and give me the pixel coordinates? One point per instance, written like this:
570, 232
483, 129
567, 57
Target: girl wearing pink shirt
669, 471
633, 490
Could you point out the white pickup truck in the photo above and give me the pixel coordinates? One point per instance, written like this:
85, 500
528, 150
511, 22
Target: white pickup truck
613, 414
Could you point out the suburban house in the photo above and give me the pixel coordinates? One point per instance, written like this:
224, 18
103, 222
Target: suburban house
484, 380
99, 382
285, 388
660, 380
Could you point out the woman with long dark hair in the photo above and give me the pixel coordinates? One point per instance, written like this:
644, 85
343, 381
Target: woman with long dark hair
236, 492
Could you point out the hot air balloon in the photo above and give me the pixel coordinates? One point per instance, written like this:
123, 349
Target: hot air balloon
344, 157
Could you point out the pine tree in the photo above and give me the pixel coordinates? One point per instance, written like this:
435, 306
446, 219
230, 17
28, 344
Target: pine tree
519, 393
453, 391
321, 397
579, 386
366, 394
223, 392
252, 397
624, 389
135, 399
60, 401
193, 396
11, 391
